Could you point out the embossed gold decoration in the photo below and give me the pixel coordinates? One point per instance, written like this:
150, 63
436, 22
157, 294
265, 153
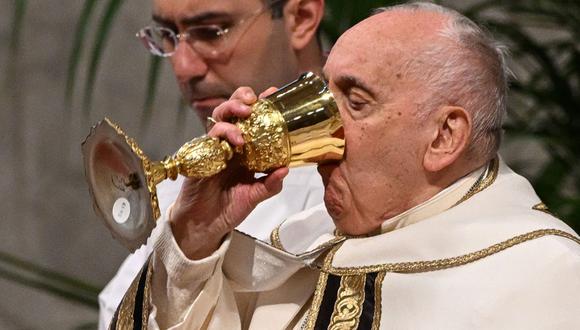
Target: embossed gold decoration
268, 145
294, 126
125, 312
349, 303
126, 308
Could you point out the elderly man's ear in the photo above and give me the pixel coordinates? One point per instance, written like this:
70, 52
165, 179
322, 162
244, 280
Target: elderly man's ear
302, 19
451, 132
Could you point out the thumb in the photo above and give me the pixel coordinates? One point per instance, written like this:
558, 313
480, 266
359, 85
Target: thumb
269, 185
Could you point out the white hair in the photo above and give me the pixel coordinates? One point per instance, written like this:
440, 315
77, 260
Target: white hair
470, 71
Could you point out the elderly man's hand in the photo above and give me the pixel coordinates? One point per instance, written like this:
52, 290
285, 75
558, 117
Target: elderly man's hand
208, 209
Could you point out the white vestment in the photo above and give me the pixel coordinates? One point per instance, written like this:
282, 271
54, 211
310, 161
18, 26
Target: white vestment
302, 190
482, 254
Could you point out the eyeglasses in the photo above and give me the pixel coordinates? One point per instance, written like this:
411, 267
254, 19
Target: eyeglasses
209, 41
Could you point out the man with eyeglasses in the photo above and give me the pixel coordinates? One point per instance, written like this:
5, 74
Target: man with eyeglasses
216, 46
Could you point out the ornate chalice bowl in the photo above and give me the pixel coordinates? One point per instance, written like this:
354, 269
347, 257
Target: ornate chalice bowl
297, 125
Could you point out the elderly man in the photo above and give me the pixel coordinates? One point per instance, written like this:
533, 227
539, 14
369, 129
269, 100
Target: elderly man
214, 47
426, 228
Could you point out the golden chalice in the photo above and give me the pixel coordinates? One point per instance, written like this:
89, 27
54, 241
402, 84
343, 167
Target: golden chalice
296, 125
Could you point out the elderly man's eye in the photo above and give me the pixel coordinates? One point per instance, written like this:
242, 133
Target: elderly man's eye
356, 101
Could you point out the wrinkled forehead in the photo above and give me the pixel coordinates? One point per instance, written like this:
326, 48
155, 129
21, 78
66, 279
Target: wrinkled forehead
363, 50
177, 10
381, 45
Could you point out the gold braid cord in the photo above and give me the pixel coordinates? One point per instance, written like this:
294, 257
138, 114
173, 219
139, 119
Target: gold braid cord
485, 180
432, 265
319, 291
378, 300
275, 238
277, 243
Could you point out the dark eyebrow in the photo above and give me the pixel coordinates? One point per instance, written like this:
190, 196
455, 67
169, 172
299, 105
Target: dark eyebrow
163, 21
348, 81
193, 20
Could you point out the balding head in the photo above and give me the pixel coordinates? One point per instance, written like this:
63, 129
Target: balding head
461, 66
421, 93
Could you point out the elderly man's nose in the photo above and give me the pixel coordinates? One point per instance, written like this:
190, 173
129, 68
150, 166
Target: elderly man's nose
187, 63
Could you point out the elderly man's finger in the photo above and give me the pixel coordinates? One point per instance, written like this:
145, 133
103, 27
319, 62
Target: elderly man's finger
268, 92
227, 131
268, 186
273, 182
245, 94
231, 109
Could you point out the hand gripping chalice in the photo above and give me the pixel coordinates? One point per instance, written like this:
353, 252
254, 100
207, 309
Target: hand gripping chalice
296, 125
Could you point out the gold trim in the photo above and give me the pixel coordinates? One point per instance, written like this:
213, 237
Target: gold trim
378, 301
126, 307
328, 244
432, 265
485, 180
276, 242
319, 292
125, 317
146, 297
316, 301
275, 238
349, 303
542, 208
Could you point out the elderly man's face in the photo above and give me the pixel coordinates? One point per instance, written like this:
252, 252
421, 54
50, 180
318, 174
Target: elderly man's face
260, 56
378, 102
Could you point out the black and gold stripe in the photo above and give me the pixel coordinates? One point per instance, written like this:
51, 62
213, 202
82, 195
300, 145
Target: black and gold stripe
133, 311
349, 302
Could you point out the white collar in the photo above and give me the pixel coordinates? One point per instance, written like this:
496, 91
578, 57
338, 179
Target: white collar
444, 200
